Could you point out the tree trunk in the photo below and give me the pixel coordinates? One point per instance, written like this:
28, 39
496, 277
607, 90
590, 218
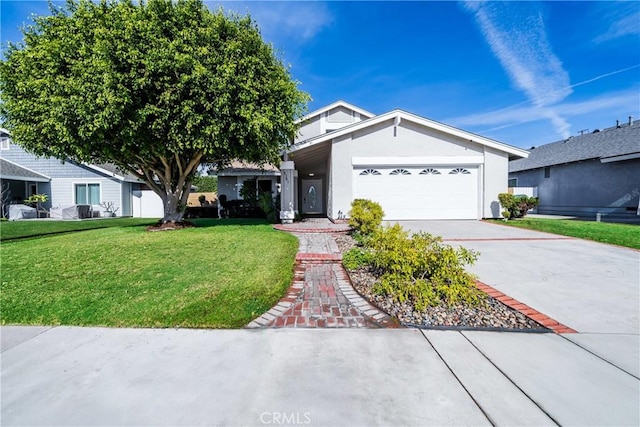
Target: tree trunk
173, 207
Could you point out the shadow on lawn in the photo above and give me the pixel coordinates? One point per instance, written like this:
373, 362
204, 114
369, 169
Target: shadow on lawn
214, 222
199, 223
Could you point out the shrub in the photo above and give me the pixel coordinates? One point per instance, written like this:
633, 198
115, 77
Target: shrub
516, 206
365, 216
421, 268
355, 258
270, 206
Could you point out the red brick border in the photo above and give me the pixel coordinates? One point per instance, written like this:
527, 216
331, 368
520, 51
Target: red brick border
531, 313
320, 258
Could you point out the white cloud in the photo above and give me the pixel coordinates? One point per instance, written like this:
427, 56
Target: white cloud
623, 19
507, 117
516, 33
276, 19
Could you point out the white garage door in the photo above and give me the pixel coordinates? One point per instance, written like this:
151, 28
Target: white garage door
429, 192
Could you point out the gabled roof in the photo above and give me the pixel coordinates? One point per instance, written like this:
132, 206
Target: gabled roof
13, 171
398, 116
339, 103
113, 171
237, 168
611, 143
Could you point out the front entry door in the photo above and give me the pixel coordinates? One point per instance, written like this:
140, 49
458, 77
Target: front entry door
312, 196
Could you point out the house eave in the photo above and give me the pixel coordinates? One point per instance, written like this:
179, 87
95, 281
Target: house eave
23, 178
104, 171
620, 158
39, 178
398, 116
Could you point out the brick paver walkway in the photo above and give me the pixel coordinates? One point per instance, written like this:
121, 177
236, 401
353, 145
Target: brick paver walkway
321, 295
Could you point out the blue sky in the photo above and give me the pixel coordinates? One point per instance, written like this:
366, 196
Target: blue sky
523, 73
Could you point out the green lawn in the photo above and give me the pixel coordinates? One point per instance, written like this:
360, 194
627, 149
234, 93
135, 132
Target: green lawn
19, 229
221, 274
616, 234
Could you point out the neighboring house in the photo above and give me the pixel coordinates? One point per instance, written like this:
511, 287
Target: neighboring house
231, 179
69, 183
583, 175
414, 167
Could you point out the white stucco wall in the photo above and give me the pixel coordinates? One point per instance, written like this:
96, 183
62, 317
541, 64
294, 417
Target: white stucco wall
410, 141
340, 168
309, 129
340, 115
496, 174
227, 186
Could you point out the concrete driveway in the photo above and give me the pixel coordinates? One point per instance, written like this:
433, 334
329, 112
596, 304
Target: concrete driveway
588, 286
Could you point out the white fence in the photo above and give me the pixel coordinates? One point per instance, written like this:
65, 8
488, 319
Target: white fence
526, 191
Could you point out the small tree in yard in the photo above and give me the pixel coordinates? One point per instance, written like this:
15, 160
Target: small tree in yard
155, 87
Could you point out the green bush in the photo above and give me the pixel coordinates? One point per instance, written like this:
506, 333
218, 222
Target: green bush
270, 206
365, 216
355, 258
421, 268
516, 206
206, 183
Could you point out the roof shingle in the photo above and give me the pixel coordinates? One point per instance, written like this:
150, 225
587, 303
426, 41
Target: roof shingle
610, 142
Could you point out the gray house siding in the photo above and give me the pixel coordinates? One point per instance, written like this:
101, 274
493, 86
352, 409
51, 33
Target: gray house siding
51, 167
63, 191
64, 176
585, 188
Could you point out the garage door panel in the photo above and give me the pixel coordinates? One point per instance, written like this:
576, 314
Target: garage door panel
421, 196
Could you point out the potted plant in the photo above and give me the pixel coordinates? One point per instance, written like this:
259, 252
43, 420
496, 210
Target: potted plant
109, 209
36, 201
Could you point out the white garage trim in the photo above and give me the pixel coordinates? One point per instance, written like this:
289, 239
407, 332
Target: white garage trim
417, 161
424, 192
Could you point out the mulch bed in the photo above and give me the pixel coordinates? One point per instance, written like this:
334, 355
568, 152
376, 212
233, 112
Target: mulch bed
490, 314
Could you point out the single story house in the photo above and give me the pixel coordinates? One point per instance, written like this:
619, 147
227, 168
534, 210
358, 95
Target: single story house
583, 175
414, 167
69, 183
231, 179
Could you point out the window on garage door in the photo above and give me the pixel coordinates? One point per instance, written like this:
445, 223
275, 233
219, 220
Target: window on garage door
399, 172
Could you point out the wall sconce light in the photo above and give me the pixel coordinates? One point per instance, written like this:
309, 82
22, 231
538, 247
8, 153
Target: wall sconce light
312, 174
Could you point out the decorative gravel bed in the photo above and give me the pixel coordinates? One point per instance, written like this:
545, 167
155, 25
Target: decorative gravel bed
491, 314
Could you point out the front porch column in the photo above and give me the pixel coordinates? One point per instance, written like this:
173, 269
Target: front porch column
287, 195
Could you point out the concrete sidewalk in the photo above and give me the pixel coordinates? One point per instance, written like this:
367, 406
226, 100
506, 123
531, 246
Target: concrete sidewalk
100, 376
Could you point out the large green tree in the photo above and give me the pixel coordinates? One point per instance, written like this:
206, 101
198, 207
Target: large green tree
155, 87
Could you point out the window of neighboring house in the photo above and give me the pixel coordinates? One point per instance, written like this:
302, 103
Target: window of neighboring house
547, 171
513, 182
4, 143
87, 194
264, 186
